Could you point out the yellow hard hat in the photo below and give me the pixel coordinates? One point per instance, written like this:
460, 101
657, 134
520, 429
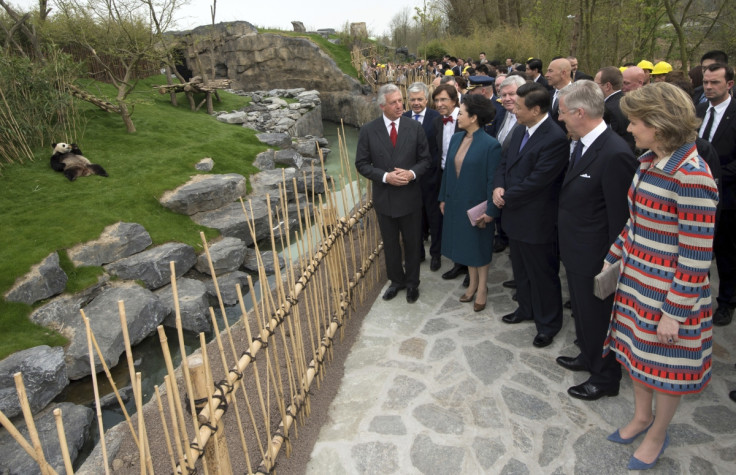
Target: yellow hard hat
661, 67
623, 68
644, 64
449, 72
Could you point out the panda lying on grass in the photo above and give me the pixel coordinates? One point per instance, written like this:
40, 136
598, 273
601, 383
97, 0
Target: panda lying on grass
68, 158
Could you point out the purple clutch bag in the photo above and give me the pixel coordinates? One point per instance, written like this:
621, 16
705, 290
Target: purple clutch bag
476, 212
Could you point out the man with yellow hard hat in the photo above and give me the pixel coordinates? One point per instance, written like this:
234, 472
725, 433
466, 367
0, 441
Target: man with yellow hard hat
648, 67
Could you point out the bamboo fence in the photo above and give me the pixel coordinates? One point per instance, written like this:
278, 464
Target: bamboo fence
259, 370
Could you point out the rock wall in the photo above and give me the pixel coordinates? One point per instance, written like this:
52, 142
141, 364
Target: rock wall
256, 61
353, 109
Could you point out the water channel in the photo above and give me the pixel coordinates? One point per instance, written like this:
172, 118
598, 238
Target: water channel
147, 354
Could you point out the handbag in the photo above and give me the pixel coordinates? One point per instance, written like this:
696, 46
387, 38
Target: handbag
604, 284
476, 212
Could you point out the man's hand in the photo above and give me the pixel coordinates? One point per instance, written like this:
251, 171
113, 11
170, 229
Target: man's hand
498, 197
442, 207
406, 174
398, 178
483, 220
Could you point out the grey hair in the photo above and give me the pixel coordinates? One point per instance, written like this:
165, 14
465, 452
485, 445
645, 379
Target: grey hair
448, 80
419, 87
385, 90
586, 95
510, 81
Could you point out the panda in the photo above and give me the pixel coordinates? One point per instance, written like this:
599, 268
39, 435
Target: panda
68, 158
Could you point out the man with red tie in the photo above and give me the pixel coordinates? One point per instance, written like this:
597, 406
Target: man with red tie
393, 152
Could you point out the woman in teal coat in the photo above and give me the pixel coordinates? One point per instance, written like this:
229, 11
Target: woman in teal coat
472, 159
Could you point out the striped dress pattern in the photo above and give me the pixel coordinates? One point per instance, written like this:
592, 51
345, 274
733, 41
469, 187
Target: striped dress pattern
665, 250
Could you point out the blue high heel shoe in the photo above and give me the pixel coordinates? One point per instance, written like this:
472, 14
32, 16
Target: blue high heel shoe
616, 436
636, 464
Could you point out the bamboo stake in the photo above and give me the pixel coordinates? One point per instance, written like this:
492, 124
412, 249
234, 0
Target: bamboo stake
138, 394
62, 442
174, 422
30, 424
15, 434
165, 426
96, 392
221, 462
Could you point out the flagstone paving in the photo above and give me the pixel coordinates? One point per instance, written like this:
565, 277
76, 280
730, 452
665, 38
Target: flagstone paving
434, 388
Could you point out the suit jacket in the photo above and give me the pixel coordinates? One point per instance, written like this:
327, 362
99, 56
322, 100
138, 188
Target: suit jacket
531, 179
617, 120
493, 127
593, 203
375, 156
434, 172
724, 141
543, 81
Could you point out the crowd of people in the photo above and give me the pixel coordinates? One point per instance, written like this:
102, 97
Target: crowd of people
548, 158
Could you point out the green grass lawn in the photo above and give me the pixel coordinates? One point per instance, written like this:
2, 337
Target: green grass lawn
44, 212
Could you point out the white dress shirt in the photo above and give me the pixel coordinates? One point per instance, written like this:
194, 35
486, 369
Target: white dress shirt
448, 130
720, 109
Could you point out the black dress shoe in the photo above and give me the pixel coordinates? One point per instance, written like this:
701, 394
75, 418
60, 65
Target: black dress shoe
513, 318
567, 304
510, 284
573, 364
732, 395
391, 292
412, 294
466, 281
513, 297
456, 270
590, 392
723, 316
499, 246
542, 340
435, 263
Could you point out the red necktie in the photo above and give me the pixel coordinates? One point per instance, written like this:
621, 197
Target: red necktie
393, 134
445, 120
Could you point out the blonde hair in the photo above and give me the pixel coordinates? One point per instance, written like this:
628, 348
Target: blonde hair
666, 108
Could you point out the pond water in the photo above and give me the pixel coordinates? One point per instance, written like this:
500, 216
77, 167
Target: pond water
147, 354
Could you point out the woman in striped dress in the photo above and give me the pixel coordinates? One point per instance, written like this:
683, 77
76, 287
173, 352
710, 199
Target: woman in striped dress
661, 327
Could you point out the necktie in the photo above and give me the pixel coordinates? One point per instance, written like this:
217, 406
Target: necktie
393, 134
709, 125
577, 153
445, 120
524, 140
555, 103
416, 117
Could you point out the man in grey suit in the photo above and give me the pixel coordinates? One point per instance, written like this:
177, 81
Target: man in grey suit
393, 152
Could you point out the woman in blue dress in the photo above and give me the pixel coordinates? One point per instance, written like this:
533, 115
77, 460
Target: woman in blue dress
472, 159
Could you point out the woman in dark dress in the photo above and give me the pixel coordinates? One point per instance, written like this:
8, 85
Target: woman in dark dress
472, 159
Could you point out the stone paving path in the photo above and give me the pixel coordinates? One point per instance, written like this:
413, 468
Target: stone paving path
435, 388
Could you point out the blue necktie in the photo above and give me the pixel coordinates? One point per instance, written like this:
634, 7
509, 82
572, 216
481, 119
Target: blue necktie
524, 140
577, 153
416, 117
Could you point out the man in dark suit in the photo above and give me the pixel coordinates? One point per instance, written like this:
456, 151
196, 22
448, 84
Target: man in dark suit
393, 153
710, 57
431, 180
558, 76
593, 210
719, 128
610, 79
534, 72
527, 187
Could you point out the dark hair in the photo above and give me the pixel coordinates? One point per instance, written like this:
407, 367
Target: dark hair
516, 72
716, 55
520, 67
628, 65
681, 80
717, 66
461, 82
449, 89
481, 107
453, 59
535, 94
482, 52
612, 74
482, 68
696, 76
495, 63
535, 63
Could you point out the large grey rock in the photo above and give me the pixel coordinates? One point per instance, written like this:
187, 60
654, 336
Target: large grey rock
152, 266
43, 281
269, 180
280, 140
307, 147
77, 420
204, 193
117, 241
65, 308
298, 27
231, 221
193, 305
251, 261
352, 108
264, 160
227, 255
290, 158
44, 377
306, 181
358, 30
227, 284
143, 310
237, 117
205, 165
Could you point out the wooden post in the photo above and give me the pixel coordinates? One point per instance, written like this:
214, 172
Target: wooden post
198, 373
